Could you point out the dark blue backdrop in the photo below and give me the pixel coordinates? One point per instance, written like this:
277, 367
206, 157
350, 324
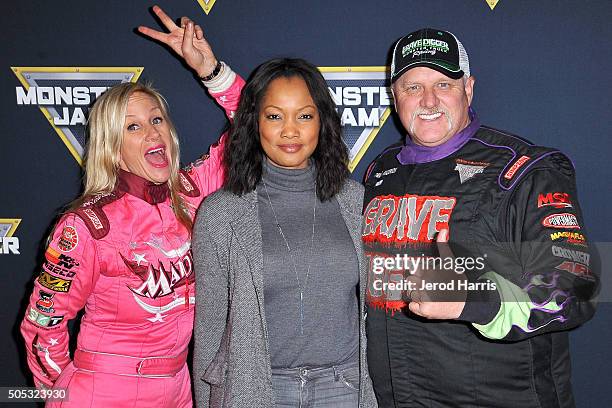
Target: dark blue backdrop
541, 71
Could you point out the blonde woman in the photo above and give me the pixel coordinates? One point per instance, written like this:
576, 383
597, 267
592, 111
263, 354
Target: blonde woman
123, 250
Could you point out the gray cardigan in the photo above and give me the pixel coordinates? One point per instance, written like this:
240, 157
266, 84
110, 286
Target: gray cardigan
231, 358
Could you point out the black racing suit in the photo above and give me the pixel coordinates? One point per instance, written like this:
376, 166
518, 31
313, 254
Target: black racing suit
514, 205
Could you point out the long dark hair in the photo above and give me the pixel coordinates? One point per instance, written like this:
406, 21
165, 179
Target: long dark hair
243, 155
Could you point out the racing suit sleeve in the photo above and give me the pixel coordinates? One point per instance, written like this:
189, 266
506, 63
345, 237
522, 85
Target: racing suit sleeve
553, 286
207, 171
68, 274
212, 328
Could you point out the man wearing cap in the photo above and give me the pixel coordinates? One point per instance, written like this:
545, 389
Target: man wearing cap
487, 325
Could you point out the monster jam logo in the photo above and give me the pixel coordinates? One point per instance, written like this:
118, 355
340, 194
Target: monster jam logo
206, 5
363, 102
8, 243
64, 95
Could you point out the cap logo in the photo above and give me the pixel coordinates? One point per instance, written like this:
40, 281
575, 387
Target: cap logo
425, 46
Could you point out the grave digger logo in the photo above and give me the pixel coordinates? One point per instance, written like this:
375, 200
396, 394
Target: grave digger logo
65, 94
363, 102
409, 219
8, 243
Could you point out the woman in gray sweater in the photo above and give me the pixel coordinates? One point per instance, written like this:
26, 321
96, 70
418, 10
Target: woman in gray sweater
280, 269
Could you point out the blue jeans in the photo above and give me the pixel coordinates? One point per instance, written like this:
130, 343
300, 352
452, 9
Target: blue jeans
314, 387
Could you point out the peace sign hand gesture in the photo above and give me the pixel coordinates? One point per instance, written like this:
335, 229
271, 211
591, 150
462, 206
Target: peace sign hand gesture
187, 41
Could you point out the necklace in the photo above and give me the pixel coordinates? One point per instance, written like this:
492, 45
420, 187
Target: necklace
297, 276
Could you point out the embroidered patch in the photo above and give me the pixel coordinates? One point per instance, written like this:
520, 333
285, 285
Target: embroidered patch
468, 169
516, 166
68, 240
564, 220
557, 200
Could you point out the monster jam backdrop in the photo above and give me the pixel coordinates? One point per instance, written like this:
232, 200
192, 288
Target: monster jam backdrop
541, 68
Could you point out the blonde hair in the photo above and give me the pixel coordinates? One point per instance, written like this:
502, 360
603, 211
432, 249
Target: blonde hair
105, 131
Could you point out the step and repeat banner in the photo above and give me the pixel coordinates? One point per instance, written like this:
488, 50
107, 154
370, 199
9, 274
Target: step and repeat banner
541, 70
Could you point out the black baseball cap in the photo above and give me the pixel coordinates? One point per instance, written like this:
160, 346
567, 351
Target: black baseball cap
431, 48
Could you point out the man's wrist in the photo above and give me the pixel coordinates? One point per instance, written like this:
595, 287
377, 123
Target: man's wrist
481, 306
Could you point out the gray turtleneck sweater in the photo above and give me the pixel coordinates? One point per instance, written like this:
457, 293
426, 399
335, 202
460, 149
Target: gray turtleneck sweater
331, 317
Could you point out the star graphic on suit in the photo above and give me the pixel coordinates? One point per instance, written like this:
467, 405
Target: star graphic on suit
138, 258
53, 342
158, 318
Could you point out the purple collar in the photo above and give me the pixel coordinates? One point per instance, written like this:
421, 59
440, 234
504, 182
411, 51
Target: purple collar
413, 153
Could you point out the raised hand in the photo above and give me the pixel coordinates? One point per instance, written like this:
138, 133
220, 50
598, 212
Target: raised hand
187, 41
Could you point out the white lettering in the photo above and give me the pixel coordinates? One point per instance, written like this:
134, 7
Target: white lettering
351, 96
26, 99
63, 96
65, 119
81, 95
348, 118
370, 120
10, 245
47, 95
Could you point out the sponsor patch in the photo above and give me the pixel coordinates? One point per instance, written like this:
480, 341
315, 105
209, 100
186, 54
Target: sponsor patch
57, 270
45, 302
384, 173
563, 220
571, 237
556, 200
95, 221
54, 283
576, 268
52, 255
516, 166
64, 261
43, 320
69, 239
185, 183
571, 254
468, 169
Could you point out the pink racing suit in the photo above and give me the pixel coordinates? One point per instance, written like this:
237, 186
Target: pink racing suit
126, 259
